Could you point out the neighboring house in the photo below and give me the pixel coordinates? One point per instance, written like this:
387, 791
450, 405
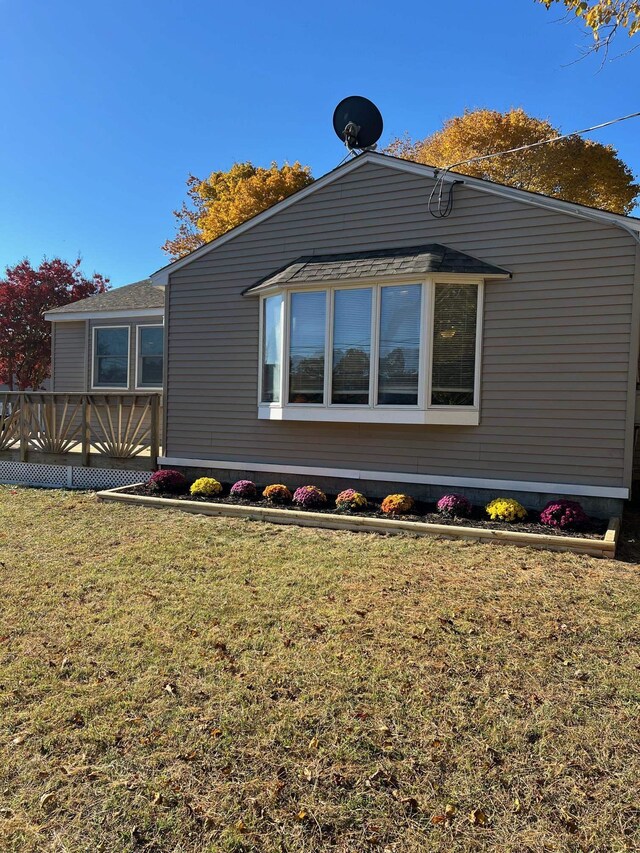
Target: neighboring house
113, 341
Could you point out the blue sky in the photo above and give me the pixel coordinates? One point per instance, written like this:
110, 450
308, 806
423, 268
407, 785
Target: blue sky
105, 108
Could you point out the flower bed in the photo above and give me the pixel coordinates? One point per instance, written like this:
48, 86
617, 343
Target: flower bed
419, 512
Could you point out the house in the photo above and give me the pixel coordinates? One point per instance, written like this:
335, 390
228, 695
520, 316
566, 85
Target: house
112, 341
349, 336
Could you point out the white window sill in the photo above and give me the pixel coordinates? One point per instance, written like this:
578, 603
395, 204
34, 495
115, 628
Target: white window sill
365, 415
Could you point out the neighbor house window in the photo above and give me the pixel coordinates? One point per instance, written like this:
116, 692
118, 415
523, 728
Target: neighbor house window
307, 340
150, 356
271, 348
393, 353
111, 357
454, 345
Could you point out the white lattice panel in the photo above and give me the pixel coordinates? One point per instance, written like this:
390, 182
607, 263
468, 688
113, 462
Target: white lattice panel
106, 478
30, 474
68, 477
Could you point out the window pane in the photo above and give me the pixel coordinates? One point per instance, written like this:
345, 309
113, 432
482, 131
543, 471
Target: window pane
351, 346
112, 358
306, 346
399, 345
151, 340
151, 371
112, 371
271, 349
112, 341
454, 345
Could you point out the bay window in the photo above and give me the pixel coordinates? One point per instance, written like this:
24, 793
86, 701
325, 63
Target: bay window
405, 352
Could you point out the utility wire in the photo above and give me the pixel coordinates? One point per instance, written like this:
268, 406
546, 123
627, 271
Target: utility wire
442, 211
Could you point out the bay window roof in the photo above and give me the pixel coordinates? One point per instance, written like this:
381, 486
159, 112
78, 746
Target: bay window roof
432, 258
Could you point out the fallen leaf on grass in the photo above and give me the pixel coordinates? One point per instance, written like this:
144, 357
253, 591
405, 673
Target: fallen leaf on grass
478, 817
48, 802
410, 804
314, 743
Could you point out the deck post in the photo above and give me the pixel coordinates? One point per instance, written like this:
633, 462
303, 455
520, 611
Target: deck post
86, 430
154, 439
24, 436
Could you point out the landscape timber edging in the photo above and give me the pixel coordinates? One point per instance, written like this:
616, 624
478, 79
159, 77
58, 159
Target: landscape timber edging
605, 547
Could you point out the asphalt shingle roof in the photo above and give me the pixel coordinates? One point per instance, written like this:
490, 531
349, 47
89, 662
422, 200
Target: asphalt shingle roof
139, 294
414, 260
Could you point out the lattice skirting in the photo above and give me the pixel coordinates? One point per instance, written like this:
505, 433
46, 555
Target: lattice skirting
67, 476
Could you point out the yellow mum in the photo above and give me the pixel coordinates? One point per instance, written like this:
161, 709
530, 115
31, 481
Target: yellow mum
205, 487
506, 509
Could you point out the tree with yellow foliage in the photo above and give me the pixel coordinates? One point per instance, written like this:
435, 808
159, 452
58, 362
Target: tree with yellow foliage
574, 169
603, 17
226, 199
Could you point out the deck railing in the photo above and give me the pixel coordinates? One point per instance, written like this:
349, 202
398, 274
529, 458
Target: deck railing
81, 426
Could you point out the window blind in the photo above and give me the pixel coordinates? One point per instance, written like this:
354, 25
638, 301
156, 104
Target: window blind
454, 345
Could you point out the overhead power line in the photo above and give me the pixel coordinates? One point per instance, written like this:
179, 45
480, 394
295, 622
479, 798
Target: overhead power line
444, 210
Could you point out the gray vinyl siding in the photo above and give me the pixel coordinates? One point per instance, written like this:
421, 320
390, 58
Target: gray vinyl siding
556, 342
68, 356
72, 351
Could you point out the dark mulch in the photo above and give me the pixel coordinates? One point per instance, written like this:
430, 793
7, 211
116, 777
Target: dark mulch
424, 512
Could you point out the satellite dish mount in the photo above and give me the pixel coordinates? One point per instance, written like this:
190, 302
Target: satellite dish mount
358, 123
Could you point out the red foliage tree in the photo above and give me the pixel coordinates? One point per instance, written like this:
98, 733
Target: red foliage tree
25, 336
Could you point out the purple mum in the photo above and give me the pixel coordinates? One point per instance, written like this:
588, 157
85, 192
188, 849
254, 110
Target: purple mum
167, 480
455, 506
566, 515
309, 497
243, 489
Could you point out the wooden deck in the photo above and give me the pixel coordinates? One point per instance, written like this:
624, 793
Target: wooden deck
103, 430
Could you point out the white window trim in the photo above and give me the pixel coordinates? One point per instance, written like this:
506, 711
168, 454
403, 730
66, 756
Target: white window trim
139, 387
95, 387
424, 412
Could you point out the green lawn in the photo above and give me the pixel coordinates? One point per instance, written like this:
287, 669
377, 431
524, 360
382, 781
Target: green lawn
170, 682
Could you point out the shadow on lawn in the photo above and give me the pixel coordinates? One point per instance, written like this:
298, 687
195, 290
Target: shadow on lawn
628, 550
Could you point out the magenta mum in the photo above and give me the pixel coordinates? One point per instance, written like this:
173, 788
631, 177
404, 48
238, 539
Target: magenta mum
243, 489
167, 480
309, 497
455, 506
563, 514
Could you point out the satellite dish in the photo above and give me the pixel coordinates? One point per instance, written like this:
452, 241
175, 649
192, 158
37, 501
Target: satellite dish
357, 122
